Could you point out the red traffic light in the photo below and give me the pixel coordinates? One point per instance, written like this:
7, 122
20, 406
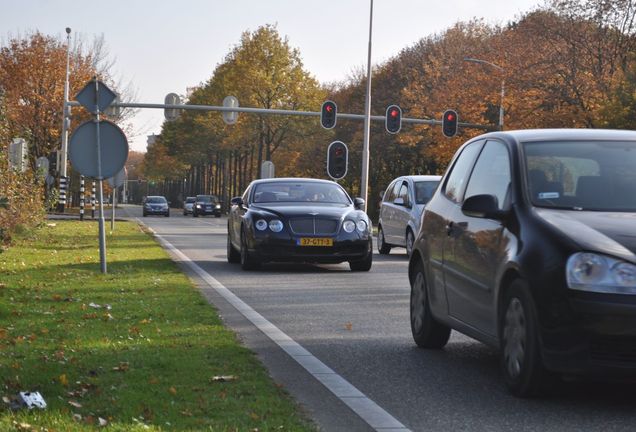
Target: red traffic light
393, 119
449, 123
328, 114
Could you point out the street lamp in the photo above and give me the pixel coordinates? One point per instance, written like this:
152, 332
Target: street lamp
503, 84
65, 125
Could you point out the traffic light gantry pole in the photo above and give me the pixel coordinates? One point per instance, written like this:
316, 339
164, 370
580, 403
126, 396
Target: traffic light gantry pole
248, 110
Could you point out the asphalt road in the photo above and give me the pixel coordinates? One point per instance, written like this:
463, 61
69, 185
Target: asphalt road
358, 325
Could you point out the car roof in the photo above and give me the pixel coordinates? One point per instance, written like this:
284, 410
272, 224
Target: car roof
419, 178
293, 179
156, 196
530, 135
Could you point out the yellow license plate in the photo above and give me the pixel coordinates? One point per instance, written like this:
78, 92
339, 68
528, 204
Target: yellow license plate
312, 241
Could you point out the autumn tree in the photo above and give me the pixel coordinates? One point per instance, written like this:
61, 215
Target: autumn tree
262, 71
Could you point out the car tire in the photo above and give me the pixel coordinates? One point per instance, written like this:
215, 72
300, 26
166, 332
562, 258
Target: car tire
521, 363
383, 247
363, 264
409, 241
427, 331
167, 214
233, 256
248, 261
145, 214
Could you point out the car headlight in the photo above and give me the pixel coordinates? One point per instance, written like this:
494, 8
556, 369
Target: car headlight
261, 224
276, 225
361, 226
598, 273
218, 206
198, 205
348, 226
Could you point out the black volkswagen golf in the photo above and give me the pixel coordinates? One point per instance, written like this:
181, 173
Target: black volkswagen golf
298, 219
529, 245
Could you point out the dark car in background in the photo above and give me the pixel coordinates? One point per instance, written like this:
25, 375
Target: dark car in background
188, 205
529, 245
206, 205
156, 205
401, 210
298, 219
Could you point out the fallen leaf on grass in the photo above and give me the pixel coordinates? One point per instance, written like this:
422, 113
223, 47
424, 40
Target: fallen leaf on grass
254, 416
63, 380
22, 427
6, 400
153, 380
102, 422
172, 390
224, 378
123, 367
75, 404
186, 413
77, 417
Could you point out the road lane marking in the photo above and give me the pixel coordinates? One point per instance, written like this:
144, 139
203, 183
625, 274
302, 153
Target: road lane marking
374, 415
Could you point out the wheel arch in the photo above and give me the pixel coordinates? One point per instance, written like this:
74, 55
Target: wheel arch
511, 274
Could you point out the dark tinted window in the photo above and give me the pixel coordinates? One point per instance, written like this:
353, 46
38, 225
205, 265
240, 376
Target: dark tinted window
424, 191
389, 192
190, 199
207, 198
156, 200
303, 191
491, 174
461, 170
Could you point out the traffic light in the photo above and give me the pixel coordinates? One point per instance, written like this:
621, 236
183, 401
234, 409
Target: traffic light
53, 163
328, 114
337, 160
449, 123
393, 119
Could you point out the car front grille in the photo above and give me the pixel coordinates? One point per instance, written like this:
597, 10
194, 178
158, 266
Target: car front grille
312, 226
621, 349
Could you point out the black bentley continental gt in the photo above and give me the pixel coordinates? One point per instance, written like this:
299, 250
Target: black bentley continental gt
301, 220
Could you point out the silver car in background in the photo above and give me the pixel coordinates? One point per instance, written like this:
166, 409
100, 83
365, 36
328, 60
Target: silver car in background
401, 211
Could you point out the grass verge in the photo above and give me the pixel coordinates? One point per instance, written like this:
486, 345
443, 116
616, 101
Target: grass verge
136, 349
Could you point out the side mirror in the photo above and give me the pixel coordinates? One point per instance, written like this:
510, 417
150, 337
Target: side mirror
483, 206
237, 201
399, 201
358, 203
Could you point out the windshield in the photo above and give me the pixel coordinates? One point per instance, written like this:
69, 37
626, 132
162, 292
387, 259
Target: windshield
588, 175
206, 198
156, 200
424, 191
300, 192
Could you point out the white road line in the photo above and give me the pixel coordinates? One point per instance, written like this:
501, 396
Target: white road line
368, 410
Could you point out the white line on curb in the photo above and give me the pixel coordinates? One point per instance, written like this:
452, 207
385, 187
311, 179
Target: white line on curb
368, 410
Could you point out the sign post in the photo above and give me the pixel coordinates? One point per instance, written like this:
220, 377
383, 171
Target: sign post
98, 149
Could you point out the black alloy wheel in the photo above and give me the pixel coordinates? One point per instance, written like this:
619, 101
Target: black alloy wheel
521, 363
383, 247
427, 332
363, 264
248, 262
233, 256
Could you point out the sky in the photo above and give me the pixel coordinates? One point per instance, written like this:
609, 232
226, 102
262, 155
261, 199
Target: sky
164, 46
